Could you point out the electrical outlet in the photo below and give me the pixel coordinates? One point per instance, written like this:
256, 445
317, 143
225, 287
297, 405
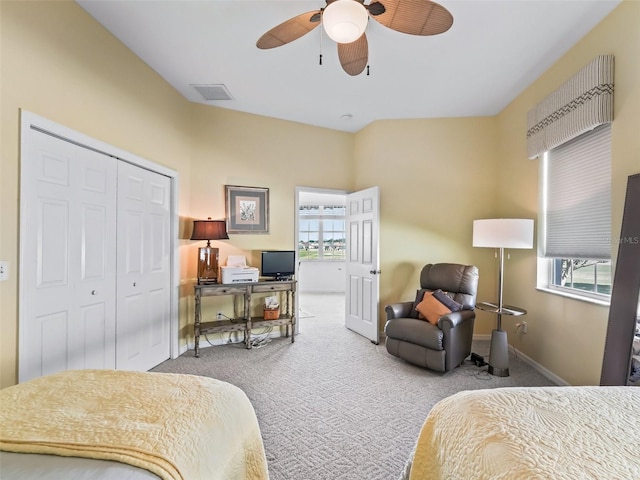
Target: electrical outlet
220, 316
521, 325
4, 270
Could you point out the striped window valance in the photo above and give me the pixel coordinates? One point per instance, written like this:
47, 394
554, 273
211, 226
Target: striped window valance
579, 105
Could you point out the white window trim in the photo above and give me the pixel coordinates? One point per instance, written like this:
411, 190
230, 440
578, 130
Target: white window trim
543, 280
582, 298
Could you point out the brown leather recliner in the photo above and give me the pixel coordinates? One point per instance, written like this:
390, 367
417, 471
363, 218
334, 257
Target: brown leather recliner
444, 346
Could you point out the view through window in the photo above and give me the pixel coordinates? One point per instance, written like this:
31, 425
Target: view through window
321, 232
581, 274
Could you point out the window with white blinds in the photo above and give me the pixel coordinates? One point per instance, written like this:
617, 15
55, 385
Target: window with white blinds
578, 197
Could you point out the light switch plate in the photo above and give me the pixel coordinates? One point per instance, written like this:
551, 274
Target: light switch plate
4, 270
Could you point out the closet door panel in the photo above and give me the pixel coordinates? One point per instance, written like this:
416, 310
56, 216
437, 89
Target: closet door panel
143, 268
130, 333
52, 237
67, 256
159, 265
51, 333
158, 312
94, 330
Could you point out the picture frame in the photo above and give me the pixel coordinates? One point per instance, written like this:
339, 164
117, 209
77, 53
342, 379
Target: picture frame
247, 209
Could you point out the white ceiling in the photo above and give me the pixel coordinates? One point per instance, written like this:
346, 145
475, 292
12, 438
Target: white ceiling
493, 51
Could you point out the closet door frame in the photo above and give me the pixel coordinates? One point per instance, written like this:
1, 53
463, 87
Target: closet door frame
29, 120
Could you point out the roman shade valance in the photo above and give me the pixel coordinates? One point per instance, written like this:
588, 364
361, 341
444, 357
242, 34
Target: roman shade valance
579, 105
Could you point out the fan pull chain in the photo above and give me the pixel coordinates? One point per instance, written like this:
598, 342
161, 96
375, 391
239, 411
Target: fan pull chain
367, 28
321, 35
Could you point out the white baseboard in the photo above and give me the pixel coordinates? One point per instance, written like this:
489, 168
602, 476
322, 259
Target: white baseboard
484, 336
544, 371
528, 360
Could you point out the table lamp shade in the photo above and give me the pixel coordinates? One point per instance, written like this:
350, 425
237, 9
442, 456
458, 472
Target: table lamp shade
209, 230
503, 233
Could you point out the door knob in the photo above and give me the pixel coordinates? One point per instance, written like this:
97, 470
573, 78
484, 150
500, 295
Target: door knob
93, 292
375, 272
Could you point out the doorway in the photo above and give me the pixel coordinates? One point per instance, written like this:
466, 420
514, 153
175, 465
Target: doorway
336, 236
320, 240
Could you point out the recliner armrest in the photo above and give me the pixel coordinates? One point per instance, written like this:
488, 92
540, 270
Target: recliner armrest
453, 319
398, 310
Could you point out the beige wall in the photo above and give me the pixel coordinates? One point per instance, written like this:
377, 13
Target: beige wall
567, 336
435, 176
232, 148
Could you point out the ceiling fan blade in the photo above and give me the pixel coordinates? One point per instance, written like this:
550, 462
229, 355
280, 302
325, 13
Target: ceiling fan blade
354, 56
415, 17
290, 30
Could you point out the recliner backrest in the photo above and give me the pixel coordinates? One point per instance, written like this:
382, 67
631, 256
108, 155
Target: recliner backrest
459, 281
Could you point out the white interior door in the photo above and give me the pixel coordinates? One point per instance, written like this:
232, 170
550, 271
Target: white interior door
67, 257
362, 294
144, 268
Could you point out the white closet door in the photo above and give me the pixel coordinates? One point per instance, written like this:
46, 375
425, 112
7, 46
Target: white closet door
67, 308
144, 279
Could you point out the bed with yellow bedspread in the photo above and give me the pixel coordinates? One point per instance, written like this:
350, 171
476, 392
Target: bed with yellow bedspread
178, 427
534, 433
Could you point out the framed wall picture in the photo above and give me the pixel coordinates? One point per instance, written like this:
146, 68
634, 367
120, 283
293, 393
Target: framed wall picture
247, 209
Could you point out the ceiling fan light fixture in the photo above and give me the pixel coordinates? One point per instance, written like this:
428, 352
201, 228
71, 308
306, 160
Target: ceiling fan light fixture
345, 20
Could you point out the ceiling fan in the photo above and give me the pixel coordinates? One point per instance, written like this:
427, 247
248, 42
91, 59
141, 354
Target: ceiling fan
345, 21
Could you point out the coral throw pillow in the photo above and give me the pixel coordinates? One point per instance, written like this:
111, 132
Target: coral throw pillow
419, 296
431, 308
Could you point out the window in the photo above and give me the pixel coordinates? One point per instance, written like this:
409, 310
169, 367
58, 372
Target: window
322, 232
593, 276
577, 214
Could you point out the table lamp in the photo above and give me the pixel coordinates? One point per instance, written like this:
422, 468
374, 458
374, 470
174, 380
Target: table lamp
208, 256
502, 233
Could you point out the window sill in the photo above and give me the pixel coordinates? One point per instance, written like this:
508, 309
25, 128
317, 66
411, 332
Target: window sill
595, 301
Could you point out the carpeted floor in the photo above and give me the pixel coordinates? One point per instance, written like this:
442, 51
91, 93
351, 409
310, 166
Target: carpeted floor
332, 405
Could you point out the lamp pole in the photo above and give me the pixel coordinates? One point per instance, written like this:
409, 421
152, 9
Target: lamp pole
500, 288
499, 354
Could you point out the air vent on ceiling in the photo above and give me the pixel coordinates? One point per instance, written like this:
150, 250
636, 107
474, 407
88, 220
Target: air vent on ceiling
213, 92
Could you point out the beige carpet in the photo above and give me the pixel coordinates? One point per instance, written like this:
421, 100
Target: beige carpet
334, 406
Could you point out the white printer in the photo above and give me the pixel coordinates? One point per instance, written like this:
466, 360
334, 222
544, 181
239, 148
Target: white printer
237, 271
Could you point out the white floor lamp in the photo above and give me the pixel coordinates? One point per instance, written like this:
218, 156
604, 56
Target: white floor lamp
501, 233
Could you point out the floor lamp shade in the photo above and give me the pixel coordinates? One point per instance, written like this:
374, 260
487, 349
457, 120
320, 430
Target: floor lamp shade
208, 256
503, 233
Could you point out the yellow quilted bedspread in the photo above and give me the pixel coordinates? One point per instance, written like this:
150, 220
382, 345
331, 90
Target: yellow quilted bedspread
180, 427
536, 433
